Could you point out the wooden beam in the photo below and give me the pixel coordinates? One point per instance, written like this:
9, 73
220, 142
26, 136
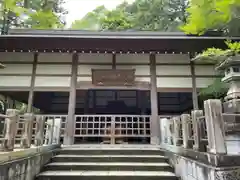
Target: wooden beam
155, 124
33, 78
70, 131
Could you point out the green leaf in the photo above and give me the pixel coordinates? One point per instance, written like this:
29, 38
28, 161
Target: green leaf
217, 90
207, 15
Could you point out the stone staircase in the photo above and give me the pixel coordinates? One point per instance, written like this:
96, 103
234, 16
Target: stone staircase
108, 163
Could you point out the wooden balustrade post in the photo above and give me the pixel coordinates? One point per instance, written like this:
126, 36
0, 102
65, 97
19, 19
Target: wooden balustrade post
215, 126
176, 134
26, 139
39, 137
186, 121
196, 130
10, 129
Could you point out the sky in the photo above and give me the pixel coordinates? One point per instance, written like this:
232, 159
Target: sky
78, 8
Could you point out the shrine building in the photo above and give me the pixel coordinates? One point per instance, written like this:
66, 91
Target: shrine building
98, 80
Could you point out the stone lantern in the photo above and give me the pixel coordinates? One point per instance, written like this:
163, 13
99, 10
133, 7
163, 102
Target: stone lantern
231, 68
231, 105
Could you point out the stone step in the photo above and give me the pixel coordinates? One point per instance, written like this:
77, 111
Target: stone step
111, 151
109, 158
108, 166
106, 175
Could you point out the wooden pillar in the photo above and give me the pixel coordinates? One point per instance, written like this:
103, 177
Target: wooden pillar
31, 91
155, 124
194, 87
114, 67
114, 61
69, 131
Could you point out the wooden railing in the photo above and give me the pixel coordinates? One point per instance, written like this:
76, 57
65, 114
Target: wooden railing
112, 128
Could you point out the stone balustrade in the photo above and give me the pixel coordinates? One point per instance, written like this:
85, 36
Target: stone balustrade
202, 132
205, 144
24, 131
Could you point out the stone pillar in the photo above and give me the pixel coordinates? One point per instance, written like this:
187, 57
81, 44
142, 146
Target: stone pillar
176, 130
39, 137
10, 129
51, 131
186, 129
164, 126
215, 126
70, 124
31, 91
26, 139
57, 130
232, 122
196, 130
155, 122
170, 131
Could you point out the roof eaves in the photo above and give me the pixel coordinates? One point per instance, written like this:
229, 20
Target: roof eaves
92, 33
115, 36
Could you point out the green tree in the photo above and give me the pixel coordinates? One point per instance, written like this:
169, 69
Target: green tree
45, 14
217, 15
44, 19
92, 20
10, 11
116, 20
39, 14
158, 15
148, 15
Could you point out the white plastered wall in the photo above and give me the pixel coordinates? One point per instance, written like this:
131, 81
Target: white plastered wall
54, 69
18, 69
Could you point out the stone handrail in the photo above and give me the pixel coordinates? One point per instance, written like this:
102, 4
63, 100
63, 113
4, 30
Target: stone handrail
5, 116
43, 131
209, 146
203, 132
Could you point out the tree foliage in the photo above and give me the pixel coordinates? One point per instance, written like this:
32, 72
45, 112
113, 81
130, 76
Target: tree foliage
216, 90
221, 15
116, 20
158, 15
43, 14
92, 20
147, 15
214, 15
216, 55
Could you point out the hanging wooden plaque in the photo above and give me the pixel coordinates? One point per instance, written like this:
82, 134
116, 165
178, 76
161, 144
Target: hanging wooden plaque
113, 77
